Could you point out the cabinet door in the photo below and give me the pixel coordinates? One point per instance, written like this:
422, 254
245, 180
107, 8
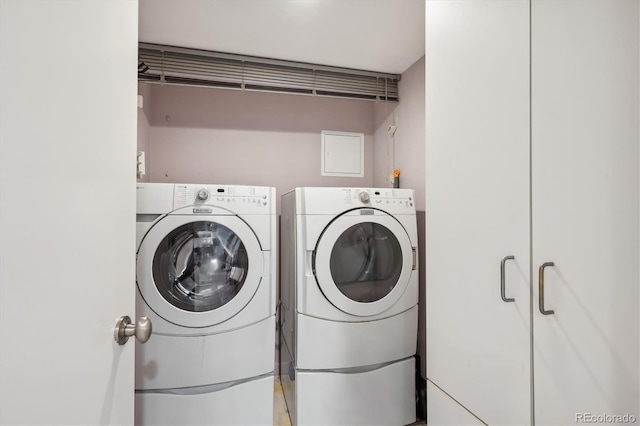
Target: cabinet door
585, 208
477, 211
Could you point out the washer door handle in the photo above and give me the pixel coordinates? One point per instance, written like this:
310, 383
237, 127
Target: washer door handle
125, 329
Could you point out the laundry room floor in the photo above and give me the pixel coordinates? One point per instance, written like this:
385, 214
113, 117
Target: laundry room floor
281, 414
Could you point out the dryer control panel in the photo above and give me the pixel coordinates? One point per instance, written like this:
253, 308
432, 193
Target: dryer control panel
381, 198
338, 200
237, 198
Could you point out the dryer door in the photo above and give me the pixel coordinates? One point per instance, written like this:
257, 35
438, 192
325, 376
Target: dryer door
198, 271
363, 262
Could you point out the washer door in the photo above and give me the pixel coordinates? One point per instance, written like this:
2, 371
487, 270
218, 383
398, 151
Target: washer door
363, 262
198, 271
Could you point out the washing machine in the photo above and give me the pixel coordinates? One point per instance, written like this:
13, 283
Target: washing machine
205, 274
349, 305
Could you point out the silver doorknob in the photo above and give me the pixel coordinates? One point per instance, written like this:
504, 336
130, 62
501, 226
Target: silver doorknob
125, 329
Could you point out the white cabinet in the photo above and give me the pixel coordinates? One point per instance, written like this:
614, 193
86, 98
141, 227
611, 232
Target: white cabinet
532, 118
477, 205
585, 208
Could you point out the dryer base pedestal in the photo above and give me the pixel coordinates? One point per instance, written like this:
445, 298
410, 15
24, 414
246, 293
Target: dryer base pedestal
244, 404
385, 396
330, 345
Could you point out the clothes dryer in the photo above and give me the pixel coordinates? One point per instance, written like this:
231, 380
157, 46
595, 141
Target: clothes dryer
349, 294
205, 273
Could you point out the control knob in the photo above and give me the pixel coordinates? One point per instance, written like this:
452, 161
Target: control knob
202, 195
364, 197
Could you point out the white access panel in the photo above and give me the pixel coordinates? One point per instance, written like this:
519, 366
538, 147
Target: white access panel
342, 154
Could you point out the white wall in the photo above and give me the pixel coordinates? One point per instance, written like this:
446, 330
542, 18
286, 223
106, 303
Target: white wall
205, 135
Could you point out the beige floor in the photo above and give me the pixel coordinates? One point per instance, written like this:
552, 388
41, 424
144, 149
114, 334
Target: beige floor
280, 412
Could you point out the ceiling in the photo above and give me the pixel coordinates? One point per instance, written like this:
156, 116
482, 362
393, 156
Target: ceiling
375, 35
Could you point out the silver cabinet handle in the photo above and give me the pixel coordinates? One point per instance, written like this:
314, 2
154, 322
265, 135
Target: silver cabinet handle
125, 329
504, 260
541, 288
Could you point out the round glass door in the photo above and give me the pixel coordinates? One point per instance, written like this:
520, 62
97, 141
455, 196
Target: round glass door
199, 271
363, 263
200, 266
366, 262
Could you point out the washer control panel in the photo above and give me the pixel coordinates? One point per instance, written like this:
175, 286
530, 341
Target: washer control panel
241, 199
203, 195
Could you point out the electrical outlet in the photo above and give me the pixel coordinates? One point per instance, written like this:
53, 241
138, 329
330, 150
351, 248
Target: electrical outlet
141, 164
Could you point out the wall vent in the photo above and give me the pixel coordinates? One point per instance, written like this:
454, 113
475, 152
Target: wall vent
193, 67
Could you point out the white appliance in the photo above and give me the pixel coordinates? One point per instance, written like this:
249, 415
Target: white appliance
349, 294
206, 278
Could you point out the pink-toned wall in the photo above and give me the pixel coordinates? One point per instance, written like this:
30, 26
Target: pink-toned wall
408, 140
204, 135
406, 152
